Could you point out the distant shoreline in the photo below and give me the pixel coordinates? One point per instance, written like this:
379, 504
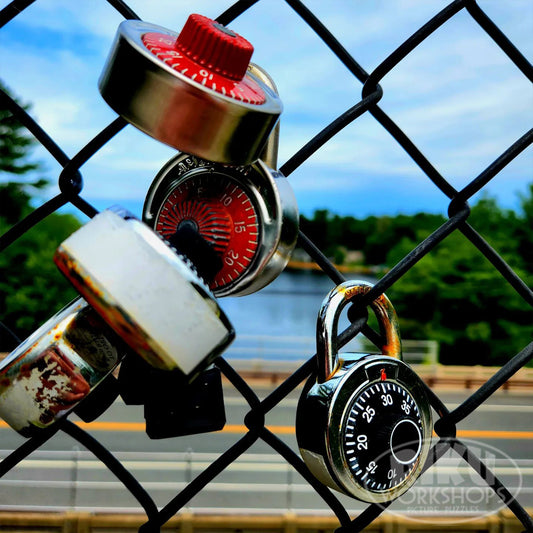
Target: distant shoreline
348, 269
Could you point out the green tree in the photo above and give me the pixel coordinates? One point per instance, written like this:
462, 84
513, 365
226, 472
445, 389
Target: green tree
455, 296
31, 287
524, 231
15, 148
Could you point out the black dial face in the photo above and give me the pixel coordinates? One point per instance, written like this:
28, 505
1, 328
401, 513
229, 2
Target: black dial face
382, 435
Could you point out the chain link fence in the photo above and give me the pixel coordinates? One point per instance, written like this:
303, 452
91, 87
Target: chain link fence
71, 192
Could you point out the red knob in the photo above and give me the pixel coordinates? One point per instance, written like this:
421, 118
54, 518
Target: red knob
209, 54
215, 47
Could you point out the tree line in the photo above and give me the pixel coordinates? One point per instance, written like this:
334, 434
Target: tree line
453, 294
31, 287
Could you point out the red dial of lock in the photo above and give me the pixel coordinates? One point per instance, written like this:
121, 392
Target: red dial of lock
211, 55
223, 213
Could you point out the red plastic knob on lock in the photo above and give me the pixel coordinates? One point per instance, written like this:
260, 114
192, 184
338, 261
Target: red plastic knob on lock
195, 91
214, 46
209, 54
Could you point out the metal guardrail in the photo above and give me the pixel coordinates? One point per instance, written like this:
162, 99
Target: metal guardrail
464, 377
71, 187
85, 486
284, 350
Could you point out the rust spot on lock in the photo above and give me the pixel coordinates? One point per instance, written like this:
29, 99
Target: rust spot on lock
117, 318
328, 361
48, 374
37, 388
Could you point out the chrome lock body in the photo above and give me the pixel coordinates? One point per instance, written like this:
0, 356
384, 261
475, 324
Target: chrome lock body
57, 367
247, 214
194, 91
363, 425
148, 294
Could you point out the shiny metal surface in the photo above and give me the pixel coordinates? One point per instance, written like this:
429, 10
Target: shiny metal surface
327, 402
269, 155
276, 208
328, 317
57, 367
178, 111
338, 420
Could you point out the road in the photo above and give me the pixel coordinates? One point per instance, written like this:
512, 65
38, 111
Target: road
61, 475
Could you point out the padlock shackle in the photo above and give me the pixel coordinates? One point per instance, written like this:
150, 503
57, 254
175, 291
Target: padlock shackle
328, 318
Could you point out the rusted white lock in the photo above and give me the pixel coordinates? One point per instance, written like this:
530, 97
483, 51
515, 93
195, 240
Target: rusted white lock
147, 293
57, 367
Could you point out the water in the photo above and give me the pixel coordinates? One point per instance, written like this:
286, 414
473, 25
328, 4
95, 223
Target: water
279, 321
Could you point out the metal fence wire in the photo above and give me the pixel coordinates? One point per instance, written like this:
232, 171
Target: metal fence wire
71, 192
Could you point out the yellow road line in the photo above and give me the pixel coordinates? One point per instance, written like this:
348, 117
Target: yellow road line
494, 434
289, 430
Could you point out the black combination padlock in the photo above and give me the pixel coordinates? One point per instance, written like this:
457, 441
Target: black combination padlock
364, 424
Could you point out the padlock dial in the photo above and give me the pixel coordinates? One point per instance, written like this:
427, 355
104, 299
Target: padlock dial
367, 430
209, 54
163, 47
224, 214
379, 428
248, 214
382, 435
195, 91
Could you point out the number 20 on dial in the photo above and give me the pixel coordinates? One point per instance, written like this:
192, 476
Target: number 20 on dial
247, 214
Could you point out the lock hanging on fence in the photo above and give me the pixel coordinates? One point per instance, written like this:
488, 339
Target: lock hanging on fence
57, 367
363, 425
148, 294
248, 215
198, 92
193, 91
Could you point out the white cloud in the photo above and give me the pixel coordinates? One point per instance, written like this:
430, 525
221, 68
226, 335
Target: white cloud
457, 95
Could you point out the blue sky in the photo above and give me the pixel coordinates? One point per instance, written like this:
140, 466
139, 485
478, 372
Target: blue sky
457, 97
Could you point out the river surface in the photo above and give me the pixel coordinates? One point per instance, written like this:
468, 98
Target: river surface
286, 308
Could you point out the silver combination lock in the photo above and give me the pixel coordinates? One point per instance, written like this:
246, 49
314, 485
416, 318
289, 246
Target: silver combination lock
194, 91
198, 92
247, 214
364, 425
148, 294
57, 367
